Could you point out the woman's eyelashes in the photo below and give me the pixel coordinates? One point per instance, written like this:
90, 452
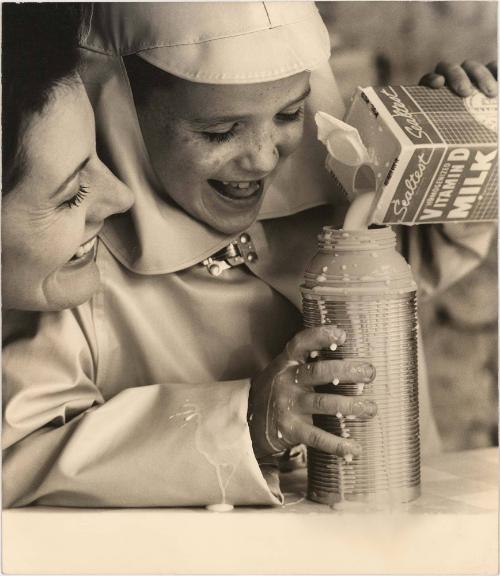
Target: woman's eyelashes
77, 198
220, 137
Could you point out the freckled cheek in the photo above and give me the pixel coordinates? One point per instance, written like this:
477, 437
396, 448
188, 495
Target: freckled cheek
291, 140
215, 161
208, 163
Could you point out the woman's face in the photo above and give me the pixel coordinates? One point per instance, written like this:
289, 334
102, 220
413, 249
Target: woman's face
51, 217
214, 147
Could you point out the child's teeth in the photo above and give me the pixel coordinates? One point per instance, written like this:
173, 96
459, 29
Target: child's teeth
242, 185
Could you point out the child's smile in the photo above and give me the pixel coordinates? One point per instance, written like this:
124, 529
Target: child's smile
238, 190
215, 147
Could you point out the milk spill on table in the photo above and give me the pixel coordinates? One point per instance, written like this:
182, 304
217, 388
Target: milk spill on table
190, 412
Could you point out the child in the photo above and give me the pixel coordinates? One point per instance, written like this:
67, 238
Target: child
204, 110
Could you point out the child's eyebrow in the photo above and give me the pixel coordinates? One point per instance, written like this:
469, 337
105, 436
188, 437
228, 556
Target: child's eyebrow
300, 98
233, 118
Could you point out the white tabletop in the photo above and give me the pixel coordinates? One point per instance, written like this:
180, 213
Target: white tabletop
452, 528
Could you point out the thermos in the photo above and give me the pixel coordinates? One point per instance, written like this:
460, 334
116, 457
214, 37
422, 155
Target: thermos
359, 282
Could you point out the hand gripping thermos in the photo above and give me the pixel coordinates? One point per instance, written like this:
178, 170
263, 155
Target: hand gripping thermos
359, 282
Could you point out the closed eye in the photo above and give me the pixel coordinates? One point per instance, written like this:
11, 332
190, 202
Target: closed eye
220, 137
76, 199
291, 116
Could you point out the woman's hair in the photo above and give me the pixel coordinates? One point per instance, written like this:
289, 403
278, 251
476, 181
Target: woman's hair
39, 53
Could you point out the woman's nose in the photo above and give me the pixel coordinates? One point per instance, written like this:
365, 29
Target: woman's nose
111, 195
261, 154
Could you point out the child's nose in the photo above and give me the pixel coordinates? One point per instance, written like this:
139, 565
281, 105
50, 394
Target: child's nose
111, 195
261, 154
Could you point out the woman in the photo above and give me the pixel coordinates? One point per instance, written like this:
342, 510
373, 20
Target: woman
204, 109
56, 191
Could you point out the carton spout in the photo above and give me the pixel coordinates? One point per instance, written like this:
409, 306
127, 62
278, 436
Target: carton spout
348, 158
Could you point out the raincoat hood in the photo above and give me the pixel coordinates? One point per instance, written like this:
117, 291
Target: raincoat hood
211, 43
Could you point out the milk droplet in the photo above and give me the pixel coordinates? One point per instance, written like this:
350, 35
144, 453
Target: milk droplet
339, 415
348, 458
335, 381
333, 346
324, 269
279, 434
222, 507
314, 354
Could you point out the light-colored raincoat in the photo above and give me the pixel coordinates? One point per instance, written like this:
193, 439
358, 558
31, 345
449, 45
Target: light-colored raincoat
139, 397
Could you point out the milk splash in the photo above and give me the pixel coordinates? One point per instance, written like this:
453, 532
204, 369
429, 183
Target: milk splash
224, 470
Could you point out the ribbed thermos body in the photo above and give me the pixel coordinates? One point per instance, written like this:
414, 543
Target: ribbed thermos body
359, 282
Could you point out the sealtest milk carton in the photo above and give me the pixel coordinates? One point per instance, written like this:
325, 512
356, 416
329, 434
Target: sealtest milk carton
433, 153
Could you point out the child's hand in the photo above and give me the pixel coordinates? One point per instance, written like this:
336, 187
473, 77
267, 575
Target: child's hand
463, 79
282, 398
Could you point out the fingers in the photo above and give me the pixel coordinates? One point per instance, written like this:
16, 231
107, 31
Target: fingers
456, 78
325, 371
317, 403
322, 337
481, 76
326, 442
492, 67
462, 79
433, 80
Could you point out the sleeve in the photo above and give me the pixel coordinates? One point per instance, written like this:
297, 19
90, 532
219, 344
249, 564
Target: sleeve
164, 444
440, 255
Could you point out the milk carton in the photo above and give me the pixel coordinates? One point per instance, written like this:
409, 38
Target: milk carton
433, 153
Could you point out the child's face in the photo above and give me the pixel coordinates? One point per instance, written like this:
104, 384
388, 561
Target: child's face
50, 219
214, 147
